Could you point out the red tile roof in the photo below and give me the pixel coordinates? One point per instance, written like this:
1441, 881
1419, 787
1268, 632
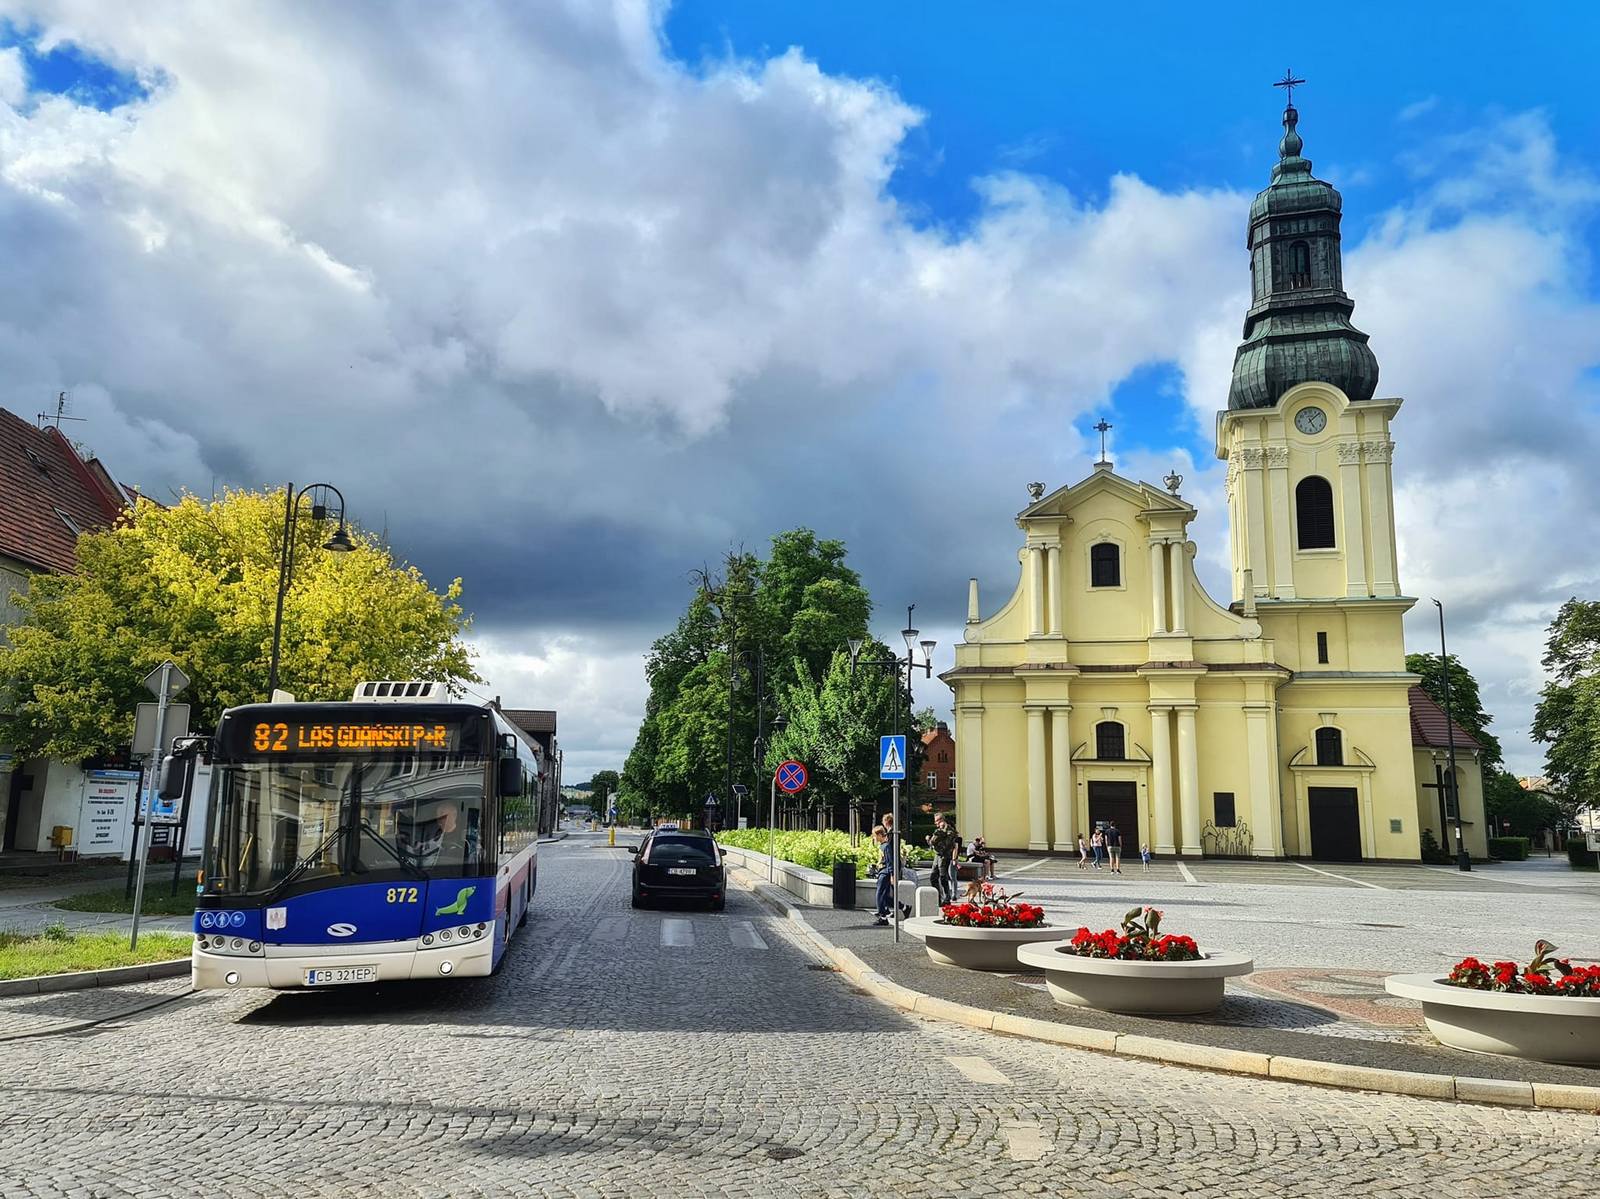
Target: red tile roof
41, 478
1428, 724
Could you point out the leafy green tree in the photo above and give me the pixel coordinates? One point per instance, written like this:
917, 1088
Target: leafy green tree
751, 625
834, 727
602, 787
197, 582
1466, 706
1567, 719
1528, 812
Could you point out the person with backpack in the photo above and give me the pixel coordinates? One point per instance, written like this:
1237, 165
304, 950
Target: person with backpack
946, 846
1114, 847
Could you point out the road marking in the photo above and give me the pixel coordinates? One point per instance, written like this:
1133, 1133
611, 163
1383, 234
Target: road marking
1457, 873
611, 928
744, 936
677, 934
978, 1070
1019, 870
1025, 1140
1182, 869
1345, 877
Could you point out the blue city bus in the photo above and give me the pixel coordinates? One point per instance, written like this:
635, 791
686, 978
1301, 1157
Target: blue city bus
391, 837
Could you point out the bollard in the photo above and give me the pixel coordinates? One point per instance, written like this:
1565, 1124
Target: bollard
926, 902
613, 835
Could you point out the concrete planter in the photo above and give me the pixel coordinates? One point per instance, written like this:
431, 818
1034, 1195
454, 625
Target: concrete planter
976, 948
1545, 1028
1134, 988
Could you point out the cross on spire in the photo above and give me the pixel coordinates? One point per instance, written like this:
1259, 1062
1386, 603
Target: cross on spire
1289, 83
1103, 428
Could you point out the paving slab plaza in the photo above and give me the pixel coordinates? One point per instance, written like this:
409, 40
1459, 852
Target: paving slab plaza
687, 1053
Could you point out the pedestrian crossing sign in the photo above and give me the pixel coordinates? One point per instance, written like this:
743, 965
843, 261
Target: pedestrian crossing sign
892, 757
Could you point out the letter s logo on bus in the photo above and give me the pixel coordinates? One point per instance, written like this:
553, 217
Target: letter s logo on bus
341, 930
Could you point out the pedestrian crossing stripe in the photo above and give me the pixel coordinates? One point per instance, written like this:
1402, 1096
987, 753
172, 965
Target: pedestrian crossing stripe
892, 757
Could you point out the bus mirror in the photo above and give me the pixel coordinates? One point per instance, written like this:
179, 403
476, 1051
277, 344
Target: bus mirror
510, 777
174, 774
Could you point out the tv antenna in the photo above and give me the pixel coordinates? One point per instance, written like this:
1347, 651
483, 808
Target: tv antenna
62, 404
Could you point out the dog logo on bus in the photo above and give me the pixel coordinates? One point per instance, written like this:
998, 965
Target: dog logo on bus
459, 907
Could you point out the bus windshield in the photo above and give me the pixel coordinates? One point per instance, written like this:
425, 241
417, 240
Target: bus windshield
279, 827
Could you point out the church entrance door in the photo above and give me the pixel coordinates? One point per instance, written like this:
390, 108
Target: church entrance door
1116, 802
1335, 824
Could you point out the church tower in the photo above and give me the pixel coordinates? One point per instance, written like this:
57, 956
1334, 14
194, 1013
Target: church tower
1307, 445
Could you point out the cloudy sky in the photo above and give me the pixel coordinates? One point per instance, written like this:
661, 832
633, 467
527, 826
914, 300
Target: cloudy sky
571, 296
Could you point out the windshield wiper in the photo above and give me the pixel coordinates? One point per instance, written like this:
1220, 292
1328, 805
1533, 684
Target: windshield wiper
304, 863
394, 852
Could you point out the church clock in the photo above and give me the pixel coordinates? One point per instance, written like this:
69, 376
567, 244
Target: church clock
1310, 420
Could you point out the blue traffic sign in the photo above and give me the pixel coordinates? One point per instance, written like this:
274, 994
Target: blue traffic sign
892, 757
791, 776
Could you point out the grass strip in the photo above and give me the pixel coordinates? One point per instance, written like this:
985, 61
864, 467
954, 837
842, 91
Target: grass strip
58, 950
157, 901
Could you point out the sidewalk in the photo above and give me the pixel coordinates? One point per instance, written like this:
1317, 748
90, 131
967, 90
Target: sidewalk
29, 909
1253, 1021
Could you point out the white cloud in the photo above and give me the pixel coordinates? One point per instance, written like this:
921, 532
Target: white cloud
13, 77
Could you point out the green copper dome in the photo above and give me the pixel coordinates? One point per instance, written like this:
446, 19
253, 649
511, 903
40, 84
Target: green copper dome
1298, 328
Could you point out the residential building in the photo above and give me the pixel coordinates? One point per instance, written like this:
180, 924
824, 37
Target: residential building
49, 493
937, 786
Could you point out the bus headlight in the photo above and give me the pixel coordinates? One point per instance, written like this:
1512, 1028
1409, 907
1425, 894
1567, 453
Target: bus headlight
444, 934
427, 939
465, 932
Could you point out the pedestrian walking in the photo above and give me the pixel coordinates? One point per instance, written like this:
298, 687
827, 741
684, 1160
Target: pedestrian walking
1114, 847
883, 873
1144, 856
1097, 846
1083, 853
889, 866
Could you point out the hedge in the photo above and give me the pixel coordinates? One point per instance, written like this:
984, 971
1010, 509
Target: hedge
814, 850
1580, 855
1509, 849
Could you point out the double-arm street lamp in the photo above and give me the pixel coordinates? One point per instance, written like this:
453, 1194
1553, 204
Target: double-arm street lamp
338, 543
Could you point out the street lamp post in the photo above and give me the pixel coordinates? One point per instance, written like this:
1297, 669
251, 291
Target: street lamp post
779, 723
338, 543
910, 634
1463, 859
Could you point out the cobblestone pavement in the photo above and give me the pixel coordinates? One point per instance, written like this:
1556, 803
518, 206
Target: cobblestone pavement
686, 1054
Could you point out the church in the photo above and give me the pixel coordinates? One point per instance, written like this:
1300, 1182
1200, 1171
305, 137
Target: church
1110, 687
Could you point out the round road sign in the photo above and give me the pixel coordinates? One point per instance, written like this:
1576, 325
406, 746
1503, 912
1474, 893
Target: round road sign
791, 776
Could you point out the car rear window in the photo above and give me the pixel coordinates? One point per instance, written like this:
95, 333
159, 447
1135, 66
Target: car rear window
682, 851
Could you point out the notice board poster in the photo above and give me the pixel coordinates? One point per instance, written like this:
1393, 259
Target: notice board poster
105, 823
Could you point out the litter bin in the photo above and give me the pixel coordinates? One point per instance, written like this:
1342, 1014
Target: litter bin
844, 884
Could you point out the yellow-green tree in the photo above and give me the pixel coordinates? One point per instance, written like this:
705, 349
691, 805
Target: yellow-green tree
197, 582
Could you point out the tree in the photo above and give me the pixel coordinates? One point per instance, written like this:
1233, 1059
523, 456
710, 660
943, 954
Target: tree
1567, 719
799, 606
834, 727
1466, 708
197, 583
1515, 809
601, 787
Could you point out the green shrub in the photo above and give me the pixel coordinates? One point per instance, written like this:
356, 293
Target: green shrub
1432, 851
814, 850
1580, 855
1509, 849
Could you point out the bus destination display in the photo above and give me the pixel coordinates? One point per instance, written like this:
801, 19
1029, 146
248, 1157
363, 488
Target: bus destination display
340, 736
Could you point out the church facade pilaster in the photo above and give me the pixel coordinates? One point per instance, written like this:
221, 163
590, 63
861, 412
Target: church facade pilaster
1061, 779
1161, 776
1038, 780
1355, 542
1188, 782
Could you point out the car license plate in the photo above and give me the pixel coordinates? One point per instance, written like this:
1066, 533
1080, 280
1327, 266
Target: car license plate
323, 976
682, 870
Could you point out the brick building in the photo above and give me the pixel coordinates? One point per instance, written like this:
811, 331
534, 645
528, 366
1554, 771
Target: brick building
937, 786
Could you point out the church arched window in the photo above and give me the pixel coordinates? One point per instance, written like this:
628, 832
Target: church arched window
1109, 742
1105, 565
1299, 264
1330, 747
1313, 512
